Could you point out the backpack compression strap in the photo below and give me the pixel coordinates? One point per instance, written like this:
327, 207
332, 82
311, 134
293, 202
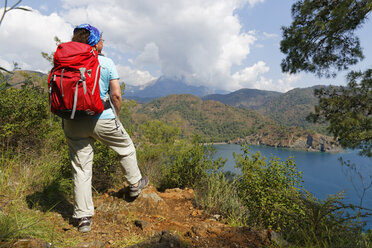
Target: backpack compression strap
82, 79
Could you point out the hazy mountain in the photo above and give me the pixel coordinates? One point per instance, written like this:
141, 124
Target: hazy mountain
162, 87
244, 98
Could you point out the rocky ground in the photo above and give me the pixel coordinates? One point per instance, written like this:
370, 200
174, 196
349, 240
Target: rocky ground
154, 219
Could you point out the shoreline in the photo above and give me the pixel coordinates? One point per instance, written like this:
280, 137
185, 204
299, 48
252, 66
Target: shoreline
311, 150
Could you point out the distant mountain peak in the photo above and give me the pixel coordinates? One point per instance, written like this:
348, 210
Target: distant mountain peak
164, 86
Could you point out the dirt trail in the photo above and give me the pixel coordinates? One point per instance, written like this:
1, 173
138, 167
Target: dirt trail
155, 219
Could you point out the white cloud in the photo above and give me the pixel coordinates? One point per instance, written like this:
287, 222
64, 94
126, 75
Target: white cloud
270, 36
250, 76
254, 2
133, 76
196, 40
24, 35
288, 81
5, 64
149, 56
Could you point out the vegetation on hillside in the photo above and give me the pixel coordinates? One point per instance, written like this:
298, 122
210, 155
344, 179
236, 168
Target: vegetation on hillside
288, 109
292, 108
213, 121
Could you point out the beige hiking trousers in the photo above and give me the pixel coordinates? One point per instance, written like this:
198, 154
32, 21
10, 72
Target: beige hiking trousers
80, 135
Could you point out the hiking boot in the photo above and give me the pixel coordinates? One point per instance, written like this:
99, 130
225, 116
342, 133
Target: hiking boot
85, 224
136, 190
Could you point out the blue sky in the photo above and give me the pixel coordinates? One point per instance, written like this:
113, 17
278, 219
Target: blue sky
221, 44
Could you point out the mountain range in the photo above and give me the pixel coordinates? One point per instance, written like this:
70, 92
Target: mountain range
289, 108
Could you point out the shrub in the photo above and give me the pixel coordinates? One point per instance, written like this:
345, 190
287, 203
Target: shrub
266, 188
23, 116
173, 161
218, 195
188, 164
325, 223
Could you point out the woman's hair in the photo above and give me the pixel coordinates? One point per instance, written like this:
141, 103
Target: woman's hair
81, 35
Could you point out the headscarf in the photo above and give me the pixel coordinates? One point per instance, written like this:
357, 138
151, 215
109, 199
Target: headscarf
94, 35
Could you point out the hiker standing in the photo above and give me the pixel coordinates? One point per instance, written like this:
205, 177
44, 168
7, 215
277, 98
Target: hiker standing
106, 127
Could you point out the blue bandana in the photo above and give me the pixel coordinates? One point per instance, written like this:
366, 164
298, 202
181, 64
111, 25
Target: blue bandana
94, 36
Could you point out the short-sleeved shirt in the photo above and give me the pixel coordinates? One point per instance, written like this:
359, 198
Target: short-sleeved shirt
108, 72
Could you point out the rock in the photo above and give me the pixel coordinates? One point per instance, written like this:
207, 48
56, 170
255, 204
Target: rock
153, 196
30, 243
142, 224
163, 239
93, 244
217, 217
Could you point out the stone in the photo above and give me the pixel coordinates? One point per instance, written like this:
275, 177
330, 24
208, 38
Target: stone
31, 243
141, 224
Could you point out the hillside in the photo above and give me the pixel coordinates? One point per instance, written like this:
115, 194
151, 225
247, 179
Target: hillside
217, 122
290, 108
244, 98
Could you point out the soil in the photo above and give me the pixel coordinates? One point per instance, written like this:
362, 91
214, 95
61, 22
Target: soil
154, 219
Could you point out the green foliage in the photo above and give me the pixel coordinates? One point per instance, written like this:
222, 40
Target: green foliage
23, 116
219, 195
17, 224
325, 223
105, 167
173, 161
157, 132
292, 107
153, 147
322, 37
211, 121
188, 164
266, 188
348, 111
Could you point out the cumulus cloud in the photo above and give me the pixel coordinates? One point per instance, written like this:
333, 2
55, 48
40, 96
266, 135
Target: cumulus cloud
133, 76
253, 77
250, 77
199, 41
24, 35
196, 40
149, 56
288, 81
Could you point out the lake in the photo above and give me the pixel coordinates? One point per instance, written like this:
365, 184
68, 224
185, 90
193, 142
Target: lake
323, 173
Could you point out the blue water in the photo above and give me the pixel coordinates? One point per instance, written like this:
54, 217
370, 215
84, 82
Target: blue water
323, 173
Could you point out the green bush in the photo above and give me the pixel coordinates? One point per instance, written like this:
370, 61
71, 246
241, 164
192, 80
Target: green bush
187, 164
266, 189
218, 195
172, 161
106, 168
325, 223
23, 116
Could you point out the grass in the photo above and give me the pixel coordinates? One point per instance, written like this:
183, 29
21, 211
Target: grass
218, 195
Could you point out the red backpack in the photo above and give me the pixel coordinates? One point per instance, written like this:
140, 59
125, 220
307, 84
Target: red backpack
74, 81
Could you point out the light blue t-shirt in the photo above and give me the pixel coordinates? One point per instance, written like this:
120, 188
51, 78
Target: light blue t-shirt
108, 72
